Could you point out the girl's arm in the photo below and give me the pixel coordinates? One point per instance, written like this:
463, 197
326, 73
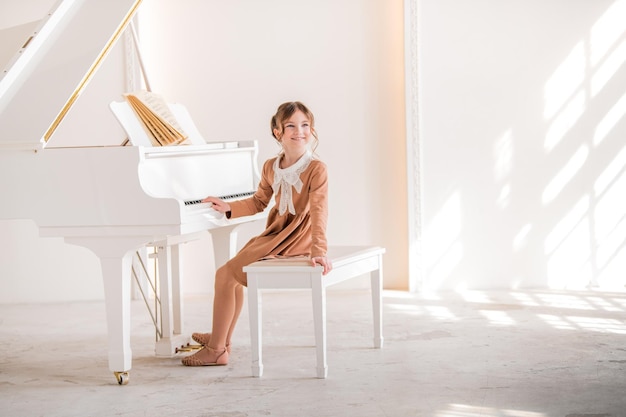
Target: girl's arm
318, 200
259, 201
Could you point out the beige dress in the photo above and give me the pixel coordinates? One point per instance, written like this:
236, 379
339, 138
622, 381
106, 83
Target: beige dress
296, 225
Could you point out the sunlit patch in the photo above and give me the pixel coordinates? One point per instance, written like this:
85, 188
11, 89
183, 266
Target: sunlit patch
520, 240
497, 318
603, 304
608, 68
444, 250
564, 121
565, 175
564, 81
610, 173
504, 198
607, 30
475, 296
612, 276
463, 410
597, 324
556, 322
566, 225
503, 156
610, 222
564, 301
405, 308
525, 299
441, 313
610, 119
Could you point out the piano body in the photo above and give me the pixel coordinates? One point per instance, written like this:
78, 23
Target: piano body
112, 200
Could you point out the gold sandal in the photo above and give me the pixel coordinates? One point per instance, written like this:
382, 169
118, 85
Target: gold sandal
199, 358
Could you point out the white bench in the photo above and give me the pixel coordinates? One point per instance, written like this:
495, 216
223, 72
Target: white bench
348, 262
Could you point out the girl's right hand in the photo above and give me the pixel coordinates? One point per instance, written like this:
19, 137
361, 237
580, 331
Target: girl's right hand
218, 204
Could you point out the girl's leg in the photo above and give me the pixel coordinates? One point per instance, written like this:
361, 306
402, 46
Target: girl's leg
238, 307
226, 308
205, 338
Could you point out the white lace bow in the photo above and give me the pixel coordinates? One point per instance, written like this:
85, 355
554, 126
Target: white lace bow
285, 179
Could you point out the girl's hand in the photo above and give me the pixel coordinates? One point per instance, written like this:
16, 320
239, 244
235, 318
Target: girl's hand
218, 204
324, 261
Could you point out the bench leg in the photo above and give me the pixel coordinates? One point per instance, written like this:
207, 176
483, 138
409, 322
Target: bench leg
318, 293
255, 315
377, 305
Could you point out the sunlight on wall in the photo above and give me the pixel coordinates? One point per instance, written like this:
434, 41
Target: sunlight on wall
610, 119
586, 247
463, 410
608, 68
564, 103
565, 175
568, 223
610, 223
564, 121
607, 31
503, 166
520, 241
610, 173
569, 265
445, 250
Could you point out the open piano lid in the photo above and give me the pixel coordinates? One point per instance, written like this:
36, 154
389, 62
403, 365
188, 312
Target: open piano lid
48, 74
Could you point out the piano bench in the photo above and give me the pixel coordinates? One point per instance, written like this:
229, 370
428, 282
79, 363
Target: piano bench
348, 262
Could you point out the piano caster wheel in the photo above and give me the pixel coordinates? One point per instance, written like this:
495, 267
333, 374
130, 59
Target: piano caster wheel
122, 377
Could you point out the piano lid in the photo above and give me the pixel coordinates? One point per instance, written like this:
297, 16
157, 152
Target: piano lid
48, 74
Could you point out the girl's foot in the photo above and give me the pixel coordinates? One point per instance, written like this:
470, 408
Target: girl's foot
207, 356
205, 338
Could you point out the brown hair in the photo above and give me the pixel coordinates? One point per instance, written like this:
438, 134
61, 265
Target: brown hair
285, 111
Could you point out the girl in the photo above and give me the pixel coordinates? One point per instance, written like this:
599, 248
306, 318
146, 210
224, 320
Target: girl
296, 225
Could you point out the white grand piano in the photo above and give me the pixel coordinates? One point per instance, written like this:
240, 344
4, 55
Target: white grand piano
112, 200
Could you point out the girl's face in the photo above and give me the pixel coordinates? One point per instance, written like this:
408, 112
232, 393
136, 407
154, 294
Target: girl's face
296, 133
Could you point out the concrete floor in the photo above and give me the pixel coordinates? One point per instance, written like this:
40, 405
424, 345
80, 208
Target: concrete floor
513, 354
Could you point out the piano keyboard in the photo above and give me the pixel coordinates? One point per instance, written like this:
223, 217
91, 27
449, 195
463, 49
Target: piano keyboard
225, 198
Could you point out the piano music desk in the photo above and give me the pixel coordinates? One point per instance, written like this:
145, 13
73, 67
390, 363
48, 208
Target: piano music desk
348, 262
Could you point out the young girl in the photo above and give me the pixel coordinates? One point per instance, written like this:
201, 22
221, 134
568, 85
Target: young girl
296, 225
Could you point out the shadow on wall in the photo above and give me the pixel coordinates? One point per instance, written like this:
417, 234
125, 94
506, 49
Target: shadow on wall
571, 226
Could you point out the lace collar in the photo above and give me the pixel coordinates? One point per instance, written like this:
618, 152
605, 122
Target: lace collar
285, 179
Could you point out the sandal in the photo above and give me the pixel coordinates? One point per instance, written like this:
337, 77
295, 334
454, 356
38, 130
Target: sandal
203, 357
205, 338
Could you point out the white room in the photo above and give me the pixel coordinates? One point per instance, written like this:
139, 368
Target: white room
480, 142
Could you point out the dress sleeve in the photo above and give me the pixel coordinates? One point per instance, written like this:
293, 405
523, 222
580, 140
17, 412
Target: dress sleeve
260, 199
318, 199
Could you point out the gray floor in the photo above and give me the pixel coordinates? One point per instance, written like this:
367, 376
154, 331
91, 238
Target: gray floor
513, 354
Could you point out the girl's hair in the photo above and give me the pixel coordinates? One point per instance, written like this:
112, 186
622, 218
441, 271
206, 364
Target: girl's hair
284, 112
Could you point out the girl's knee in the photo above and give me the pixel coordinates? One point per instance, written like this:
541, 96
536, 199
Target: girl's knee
224, 277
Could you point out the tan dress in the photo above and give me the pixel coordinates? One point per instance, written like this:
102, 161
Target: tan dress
287, 234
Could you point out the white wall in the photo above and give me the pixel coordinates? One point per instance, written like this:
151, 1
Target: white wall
523, 127
232, 63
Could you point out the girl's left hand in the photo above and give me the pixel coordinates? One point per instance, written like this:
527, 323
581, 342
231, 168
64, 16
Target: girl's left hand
324, 261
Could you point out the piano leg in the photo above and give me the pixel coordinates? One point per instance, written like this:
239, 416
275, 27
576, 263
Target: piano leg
117, 295
224, 243
115, 260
